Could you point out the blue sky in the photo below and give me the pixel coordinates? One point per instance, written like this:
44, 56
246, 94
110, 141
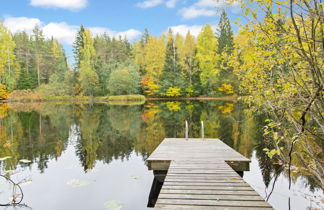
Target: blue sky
61, 18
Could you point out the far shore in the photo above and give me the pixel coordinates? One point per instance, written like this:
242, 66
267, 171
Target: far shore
201, 98
122, 98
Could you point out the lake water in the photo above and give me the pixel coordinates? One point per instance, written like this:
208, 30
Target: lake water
92, 156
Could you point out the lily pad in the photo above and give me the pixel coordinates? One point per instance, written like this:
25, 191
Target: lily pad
78, 183
5, 158
25, 161
135, 177
72, 166
113, 205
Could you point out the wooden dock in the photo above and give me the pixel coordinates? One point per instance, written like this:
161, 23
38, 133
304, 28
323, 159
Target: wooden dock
202, 174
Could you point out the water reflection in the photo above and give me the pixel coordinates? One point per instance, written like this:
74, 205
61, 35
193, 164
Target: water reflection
98, 135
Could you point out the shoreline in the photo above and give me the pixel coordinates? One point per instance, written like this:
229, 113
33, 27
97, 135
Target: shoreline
200, 98
118, 99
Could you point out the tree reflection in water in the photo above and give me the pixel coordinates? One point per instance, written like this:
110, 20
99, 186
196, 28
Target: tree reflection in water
40, 133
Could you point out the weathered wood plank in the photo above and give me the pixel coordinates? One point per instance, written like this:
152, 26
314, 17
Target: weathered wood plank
207, 173
208, 192
197, 207
213, 202
211, 197
189, 180
207, 176
204, 171
194, 187
202, 183
201, 175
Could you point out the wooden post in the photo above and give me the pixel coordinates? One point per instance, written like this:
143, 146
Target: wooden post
202, 130
187, 130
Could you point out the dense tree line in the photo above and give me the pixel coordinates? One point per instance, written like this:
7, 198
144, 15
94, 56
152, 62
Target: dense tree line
29, 61
165, 66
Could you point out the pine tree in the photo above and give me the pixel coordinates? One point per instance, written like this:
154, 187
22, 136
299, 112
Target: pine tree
145, 37
77, 45
23, 51
225, 35
39, 48
171, 83
226, 81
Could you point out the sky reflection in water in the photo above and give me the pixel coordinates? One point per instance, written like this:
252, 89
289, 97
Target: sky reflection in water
93, 156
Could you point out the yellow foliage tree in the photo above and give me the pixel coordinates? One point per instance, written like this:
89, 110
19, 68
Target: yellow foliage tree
173, 92
88, 78
154, 56
9, 69
206, 57
3, 92
279, 62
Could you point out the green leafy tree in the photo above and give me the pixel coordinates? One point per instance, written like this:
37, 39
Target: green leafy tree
123, 81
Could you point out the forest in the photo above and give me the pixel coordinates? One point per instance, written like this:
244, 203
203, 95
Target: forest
262, 75
165, 66
274, 63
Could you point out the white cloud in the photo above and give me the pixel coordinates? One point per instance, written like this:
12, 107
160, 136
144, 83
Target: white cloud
154, 3
149, 3
63, 4
194, 12
183, 30
210, 3
194, 29
16, 24
130, 34
205, 8
171, 3
62, 31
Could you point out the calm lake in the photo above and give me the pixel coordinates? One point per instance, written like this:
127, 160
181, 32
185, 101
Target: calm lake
92, 156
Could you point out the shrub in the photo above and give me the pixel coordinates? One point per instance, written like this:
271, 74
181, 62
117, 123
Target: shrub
121, 82
3, 92
25, 95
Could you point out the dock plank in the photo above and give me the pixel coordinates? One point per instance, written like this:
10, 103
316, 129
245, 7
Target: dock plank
197, 207
214, 202
209, 192
201, 174
211, 197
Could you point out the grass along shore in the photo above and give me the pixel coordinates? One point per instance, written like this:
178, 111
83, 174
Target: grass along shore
35, 96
